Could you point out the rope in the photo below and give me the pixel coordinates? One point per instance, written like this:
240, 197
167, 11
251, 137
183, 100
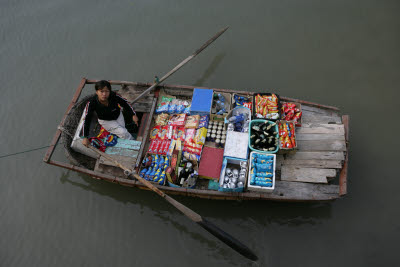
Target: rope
29, 150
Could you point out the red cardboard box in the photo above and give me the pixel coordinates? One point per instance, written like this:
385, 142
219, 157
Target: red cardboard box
211, 163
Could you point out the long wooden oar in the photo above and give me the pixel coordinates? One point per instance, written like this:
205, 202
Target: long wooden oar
210, 227
181, 64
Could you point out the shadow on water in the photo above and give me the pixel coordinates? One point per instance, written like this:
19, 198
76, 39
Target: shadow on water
211, 69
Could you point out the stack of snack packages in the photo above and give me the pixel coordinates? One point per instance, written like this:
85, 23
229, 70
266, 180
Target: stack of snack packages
287, 136
266, 106
290, 112
261, 173
174, 131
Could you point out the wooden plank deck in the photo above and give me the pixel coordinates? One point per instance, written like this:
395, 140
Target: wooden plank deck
321, 148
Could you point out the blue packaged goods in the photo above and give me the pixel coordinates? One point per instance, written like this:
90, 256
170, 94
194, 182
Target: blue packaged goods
163, 106
204, 120
262, 172
201, 101
263, 167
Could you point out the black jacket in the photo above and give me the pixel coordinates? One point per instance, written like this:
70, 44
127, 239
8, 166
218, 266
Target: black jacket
108, 113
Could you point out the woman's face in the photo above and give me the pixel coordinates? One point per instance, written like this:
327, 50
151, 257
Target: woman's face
103, 94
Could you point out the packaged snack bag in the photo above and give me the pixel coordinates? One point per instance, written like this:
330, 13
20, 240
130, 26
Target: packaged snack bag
177, 120
163, 106
192, 121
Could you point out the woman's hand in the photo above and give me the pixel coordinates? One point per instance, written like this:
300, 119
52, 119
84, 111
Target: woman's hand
135, 119
85, 142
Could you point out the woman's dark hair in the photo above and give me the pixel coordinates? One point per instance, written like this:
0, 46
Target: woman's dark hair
101, 84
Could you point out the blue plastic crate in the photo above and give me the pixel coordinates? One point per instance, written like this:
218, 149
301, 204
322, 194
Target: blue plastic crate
201, 101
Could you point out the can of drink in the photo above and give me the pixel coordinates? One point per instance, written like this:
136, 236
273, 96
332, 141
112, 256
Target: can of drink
223, 137
208, 137
213, 131
218, 142
218, 136
219, 132
222, 143
213, 137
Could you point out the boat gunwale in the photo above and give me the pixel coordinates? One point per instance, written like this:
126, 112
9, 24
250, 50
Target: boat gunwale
209, 194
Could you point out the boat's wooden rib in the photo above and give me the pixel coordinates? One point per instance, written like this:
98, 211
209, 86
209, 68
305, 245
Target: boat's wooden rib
304, 175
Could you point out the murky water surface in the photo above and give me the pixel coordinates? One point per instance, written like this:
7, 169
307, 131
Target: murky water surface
341, 53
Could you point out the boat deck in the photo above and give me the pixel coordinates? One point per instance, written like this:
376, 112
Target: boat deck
316, 171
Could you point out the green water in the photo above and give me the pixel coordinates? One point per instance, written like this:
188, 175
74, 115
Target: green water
340, 53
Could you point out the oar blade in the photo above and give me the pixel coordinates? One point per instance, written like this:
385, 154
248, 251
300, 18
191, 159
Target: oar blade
228, 239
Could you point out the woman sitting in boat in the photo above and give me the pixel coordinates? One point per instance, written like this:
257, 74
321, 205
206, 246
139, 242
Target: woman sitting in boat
107, 105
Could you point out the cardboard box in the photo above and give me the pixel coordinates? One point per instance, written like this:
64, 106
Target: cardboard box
201, 101
237, 145
211, 163
228, 105
250, 97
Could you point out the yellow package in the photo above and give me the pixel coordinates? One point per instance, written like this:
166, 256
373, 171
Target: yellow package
200, 137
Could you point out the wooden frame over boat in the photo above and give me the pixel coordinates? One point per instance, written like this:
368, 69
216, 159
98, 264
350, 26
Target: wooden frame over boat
323, 142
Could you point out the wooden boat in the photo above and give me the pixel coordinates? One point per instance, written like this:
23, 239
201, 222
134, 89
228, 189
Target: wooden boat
317, 171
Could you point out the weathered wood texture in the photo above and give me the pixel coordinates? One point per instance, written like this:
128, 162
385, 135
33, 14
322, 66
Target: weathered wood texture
310, 137
129, 161
320, 155
320, 128
321, 145
343, 173
130, 92
304, 191
309, 175
145, 144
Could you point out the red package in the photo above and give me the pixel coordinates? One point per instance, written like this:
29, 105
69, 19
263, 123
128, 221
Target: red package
177, 120
163, 132
290, 115
154, 132
154, 146
247, 105
165, 147
189, 135
179, 133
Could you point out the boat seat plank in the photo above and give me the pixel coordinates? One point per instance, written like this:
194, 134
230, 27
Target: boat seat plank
309, 175
309, 137
318, 111
321, 145
320, 155
300, 191
320, 128
309, 117
314, 163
